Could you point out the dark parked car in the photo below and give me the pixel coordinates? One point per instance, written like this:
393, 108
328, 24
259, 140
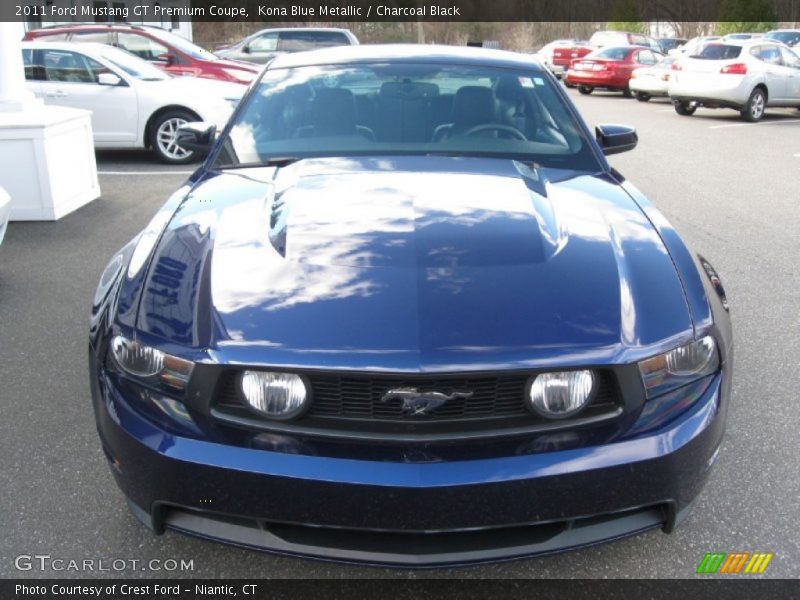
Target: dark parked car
406, 313
172, 53
266, 44
790, 37
667, 44
610, 68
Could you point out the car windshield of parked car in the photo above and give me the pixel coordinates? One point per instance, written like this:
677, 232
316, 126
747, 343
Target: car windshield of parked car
133, 65
401, 108
613, 53
790, 38
183, 45
718, 52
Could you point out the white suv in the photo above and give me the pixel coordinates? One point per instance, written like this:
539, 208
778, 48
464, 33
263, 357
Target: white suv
747, 76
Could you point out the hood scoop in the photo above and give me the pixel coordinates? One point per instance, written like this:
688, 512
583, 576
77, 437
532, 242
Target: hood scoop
432, 220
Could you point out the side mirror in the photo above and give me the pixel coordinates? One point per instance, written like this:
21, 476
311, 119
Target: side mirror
614, 139
108, 79
197, 136
246, 49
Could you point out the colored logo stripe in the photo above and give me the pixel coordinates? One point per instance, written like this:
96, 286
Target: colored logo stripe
735, 562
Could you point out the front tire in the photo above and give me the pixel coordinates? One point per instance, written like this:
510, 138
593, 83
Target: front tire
642, 96
754, 109
685, 109
585, 89
163, 137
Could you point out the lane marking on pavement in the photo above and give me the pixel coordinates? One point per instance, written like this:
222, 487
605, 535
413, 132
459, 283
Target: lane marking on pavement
754, 124
145, 172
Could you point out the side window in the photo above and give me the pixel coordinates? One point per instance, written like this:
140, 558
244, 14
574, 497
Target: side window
100, 37
264, 43
790, 59
327, 39
299, 40
66, 67
142, 46
53, 37
97, 68
646, 57
771, 55
33, 71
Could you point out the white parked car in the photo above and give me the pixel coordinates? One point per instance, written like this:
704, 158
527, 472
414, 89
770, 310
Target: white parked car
747, 76
5, 212
647, 82
133, 103
694, 45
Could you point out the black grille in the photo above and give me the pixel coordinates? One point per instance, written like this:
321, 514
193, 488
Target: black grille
345, 400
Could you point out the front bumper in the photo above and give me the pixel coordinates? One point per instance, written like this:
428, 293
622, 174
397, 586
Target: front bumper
411, 513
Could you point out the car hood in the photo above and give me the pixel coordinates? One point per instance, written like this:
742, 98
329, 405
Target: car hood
227, 63
414, 263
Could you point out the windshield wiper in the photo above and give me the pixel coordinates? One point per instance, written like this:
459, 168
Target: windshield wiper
275, 161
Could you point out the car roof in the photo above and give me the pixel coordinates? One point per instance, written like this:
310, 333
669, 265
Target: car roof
745, 43
96, 26
415, 53
279, 29
91, 48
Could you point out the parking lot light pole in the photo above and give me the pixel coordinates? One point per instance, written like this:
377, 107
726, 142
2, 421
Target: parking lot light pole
47, 162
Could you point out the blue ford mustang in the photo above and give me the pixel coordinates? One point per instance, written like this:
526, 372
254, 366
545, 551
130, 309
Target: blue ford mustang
407, 314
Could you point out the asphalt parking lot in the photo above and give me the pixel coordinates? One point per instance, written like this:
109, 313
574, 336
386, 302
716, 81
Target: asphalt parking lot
729, 187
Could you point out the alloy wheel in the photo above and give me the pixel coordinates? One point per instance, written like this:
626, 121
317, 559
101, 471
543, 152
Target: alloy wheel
167, 139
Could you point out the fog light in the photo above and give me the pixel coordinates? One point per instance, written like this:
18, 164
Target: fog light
561, 393
276, 395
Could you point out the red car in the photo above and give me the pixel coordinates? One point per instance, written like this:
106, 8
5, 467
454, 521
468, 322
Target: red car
168, 51
564, 55
610, 68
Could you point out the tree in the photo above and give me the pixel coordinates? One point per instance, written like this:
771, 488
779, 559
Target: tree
745, 15
625, 17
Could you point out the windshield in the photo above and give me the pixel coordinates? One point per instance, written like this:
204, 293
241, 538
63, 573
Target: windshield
719, 52
790, 38
183, 45
387, 109
133, 65
618, 53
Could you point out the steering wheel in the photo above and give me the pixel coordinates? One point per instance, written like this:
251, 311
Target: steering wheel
497, 127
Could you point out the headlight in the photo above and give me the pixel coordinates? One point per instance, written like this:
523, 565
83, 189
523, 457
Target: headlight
240, 75
276, 395
150, 365
560, 393
679, 366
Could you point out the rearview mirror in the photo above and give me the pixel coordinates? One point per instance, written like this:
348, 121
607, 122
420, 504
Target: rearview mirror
108, 79
197, 136
614, 139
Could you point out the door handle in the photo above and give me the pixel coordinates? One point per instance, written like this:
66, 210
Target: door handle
56, 94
